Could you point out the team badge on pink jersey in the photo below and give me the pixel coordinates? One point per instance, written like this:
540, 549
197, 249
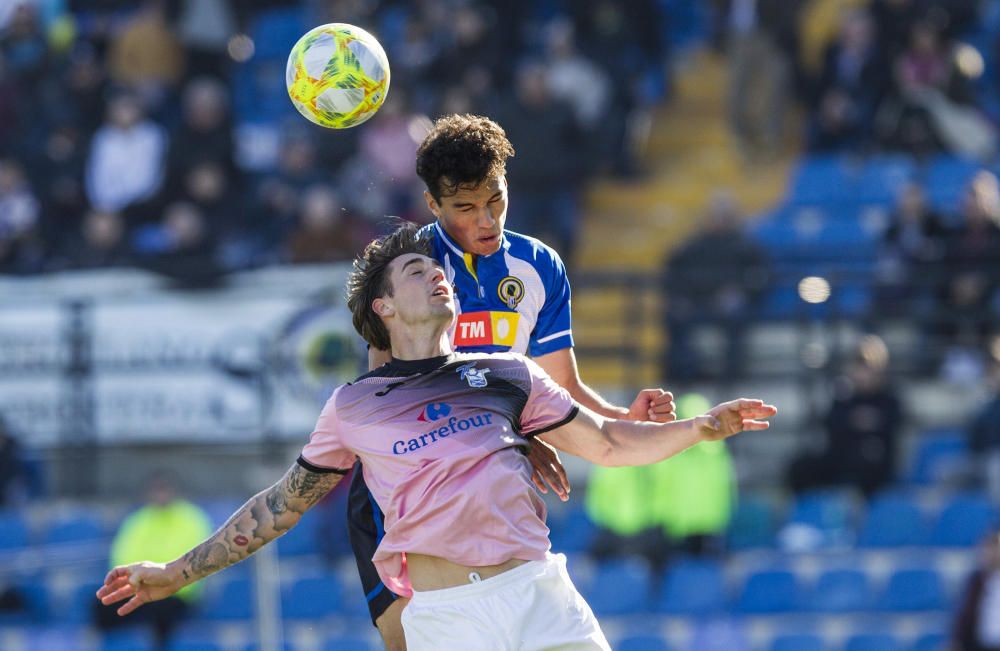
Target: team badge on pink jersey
476, 377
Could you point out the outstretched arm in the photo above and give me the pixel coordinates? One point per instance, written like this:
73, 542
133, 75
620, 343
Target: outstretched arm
610, 442
263, 518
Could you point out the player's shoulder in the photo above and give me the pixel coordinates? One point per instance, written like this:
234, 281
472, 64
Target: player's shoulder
533, 250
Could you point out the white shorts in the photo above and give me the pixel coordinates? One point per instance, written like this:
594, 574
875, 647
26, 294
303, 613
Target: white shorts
534, 607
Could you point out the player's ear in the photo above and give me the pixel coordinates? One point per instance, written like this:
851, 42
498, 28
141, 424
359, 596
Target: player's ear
432, 204
382, 307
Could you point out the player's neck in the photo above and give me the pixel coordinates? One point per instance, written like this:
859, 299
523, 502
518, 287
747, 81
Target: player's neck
415, 343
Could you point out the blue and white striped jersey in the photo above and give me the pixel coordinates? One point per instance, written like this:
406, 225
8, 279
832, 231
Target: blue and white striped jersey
517, 299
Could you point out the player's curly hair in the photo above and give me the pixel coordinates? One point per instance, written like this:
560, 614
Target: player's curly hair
370, 279
462, 150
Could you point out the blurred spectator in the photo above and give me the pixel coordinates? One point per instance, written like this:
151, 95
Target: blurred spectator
103, 242
204, 28
146, 56
180, 246
205, 134
11, 467
714, 278
762, 46
862, 428
679, 505
912, 247
162, 530
84, 81
387, 149
326, 233
983, 433
850, 87
20, 242
972, 266
24, 47
977, 623
126, 157
933, 104
545, 186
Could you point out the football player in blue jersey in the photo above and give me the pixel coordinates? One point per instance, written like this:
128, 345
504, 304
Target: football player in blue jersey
511, 293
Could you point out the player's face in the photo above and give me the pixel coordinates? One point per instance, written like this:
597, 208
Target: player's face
474, 217
420, 291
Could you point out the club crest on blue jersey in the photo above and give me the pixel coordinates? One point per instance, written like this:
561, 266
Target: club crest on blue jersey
476, 377
434, 411
511, 291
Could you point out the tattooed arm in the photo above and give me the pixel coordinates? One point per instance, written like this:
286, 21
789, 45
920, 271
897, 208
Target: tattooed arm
263, 518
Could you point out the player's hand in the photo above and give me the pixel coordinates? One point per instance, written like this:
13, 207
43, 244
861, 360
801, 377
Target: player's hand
656, 405
140, 583
547, 469
733, 417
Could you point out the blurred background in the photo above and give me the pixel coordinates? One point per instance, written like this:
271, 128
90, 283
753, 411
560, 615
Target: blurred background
790, 199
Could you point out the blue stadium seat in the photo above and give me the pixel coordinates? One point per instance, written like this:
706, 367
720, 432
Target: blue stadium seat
800, 642
78, 607
219, 510
303, 538
75, 529
893, 520
831, 512
311, 597
821, 179
35, 597
275, 31
572, 532
185, 641
131, 639
719, 634
63, 638
914, 590
930, 642
964, 521
13, 530
233, 600
945, 180
646, 642
752, 524
841, 591
693, 587
619, 587
872, 642
350, 643
769, 591
939, 456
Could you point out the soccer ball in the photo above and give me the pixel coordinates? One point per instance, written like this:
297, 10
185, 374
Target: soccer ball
337, 75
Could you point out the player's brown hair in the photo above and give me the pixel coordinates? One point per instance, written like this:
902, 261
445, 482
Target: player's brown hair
462, 150
370, 279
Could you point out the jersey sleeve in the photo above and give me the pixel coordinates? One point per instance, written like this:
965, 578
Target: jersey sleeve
553, 329
325, 451
548, 406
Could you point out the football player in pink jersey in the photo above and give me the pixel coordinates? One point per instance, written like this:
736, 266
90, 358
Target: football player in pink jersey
438, 433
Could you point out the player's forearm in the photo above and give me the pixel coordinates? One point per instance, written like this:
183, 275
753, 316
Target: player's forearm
638, 443
593, 401
266, 516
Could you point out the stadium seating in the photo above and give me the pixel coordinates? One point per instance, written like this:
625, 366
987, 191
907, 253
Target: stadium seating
310, 597
75, 529
303, 538
350, 643
769, 591
132, 639
913, 590
939, 456
572, 531
830, 512
893, 520
841, 591
642, 643
233, 600
693, 587
930, 642
14, 532
752, 524
872, 642
619, 587
799, 642
964, 521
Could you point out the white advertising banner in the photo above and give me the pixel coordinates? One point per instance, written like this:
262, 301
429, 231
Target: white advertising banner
256, 358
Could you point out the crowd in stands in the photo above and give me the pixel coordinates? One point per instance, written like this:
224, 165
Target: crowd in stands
159, 134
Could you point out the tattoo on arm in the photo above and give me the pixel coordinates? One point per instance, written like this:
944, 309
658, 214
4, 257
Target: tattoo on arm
263, 518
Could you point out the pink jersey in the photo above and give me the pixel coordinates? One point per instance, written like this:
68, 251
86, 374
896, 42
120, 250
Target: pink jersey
439, 442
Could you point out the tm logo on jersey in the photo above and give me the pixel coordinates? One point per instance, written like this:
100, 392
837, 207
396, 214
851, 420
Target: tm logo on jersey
486, 329
476, 377
434, 411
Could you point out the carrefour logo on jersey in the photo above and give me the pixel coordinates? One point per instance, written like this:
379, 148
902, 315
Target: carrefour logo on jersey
436, 411
486, 328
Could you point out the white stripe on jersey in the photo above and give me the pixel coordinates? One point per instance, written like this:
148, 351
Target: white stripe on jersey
555, 336
531, 304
